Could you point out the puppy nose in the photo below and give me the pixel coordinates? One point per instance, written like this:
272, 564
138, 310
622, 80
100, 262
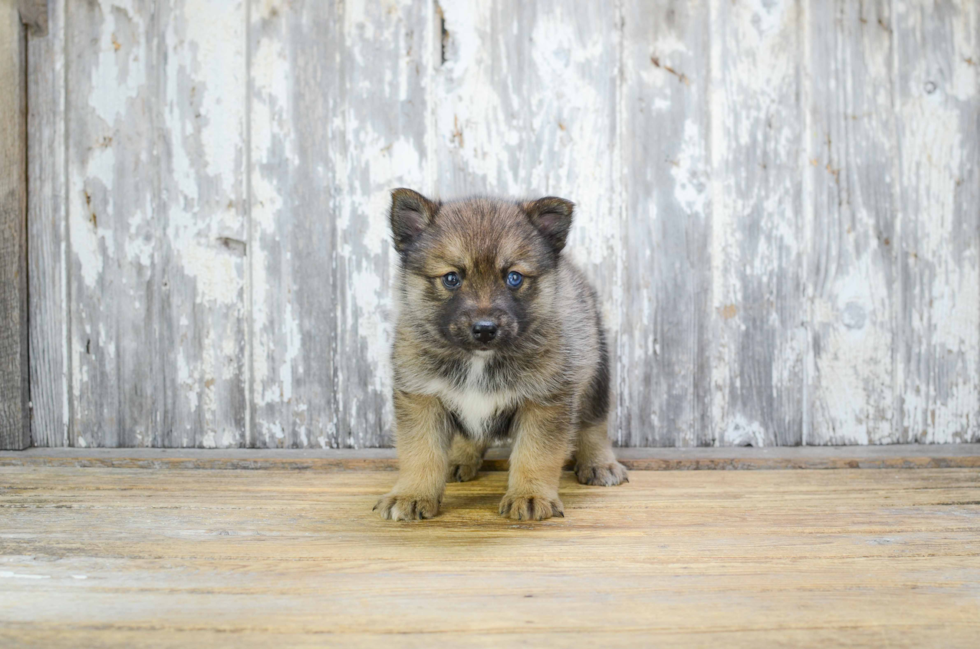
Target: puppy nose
484, 331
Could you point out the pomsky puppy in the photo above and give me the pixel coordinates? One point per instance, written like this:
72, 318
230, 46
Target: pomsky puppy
497, 335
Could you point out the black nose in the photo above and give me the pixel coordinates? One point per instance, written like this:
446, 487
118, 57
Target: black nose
484, 331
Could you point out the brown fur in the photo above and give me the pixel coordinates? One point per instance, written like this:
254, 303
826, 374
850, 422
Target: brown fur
543, 378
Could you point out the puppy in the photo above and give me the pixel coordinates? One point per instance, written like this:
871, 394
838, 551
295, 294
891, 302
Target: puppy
497, 335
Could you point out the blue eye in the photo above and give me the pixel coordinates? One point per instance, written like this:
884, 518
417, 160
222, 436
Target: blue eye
451, 280
514, 279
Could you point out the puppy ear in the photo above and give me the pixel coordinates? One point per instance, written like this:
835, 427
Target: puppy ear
552, 217
411, 213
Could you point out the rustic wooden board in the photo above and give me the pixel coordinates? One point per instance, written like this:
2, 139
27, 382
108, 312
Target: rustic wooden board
116, 353
776, 201
938, 223
852, 195
295, 141
255, 559
324, 159
15, 432
202, 201
758, 343
156, 222
665, 390
47, 224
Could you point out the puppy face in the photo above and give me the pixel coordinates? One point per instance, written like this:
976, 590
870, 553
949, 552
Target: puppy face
478, 274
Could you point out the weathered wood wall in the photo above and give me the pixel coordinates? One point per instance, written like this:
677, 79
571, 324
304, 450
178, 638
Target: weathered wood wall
779, 202
14, 381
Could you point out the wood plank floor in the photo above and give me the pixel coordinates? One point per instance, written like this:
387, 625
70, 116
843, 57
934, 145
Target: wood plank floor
95, 557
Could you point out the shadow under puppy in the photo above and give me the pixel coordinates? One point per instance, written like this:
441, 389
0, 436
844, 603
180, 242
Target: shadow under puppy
497, 335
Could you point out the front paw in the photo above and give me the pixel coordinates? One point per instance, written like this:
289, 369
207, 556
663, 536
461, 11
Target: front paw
606, 474
463, 472
531, 507
407, 507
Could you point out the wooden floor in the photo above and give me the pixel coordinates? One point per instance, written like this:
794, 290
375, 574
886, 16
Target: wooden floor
97, 557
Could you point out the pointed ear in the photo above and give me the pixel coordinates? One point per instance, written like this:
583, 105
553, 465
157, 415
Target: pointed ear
552, 217
411, 213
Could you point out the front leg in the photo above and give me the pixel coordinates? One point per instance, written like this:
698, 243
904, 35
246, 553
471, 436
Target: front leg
422, 437
542, 443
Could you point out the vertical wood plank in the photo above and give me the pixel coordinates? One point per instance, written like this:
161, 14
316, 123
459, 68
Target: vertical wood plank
295, 132
666, 386
113, 97
47, 233
526, 103
338, 118
15, 432
201, 145
937, 315
156, 182
758, 316
387, 57
850, 206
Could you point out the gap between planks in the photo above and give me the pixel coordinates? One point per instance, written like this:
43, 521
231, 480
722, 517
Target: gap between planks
897, 456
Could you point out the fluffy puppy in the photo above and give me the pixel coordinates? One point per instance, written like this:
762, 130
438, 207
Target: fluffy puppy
498, 335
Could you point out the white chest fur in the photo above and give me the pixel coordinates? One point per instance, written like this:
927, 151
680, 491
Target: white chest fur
474, 405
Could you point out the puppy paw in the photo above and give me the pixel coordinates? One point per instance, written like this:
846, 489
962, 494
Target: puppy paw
465, 459
407, 507
606, 474
463, 472
531, 507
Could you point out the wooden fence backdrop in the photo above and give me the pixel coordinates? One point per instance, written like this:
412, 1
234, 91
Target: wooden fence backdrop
778, 200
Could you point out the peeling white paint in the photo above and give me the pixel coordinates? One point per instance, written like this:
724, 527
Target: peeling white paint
117, 66
939, 238
740, 431
216, 36
690, 184
92, 240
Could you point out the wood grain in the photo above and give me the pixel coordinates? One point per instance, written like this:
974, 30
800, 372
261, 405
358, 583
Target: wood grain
15, 431
201, 199
324, 159
47, 230
111, 101
295, 144
892, 456
938, 225
156, 223
665, 390
852, 185
744, 559
758, 324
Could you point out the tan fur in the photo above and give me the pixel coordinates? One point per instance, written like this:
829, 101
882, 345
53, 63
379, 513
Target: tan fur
595, 462
536, 461
422, 434
543, 378
465, 458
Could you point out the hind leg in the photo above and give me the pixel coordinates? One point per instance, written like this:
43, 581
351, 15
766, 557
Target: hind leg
595, 463
465, 458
